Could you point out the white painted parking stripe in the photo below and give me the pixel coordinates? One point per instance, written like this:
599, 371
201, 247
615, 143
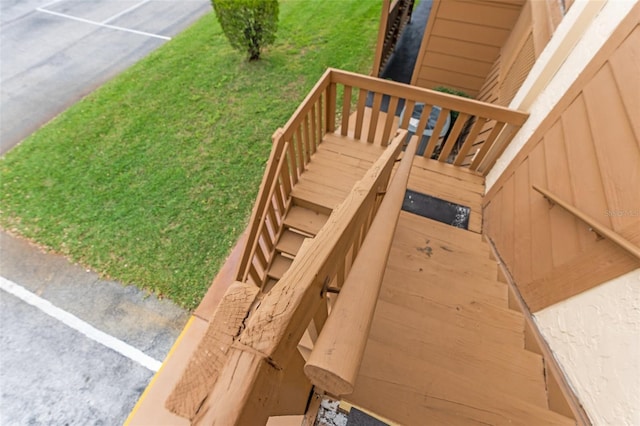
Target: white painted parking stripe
77, 324
113, 27
124, 12
51, 3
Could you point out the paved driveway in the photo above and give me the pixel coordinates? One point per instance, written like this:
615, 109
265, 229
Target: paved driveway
52, 53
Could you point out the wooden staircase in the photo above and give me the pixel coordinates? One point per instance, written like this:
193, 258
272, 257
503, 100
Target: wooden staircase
444, 347
328, 179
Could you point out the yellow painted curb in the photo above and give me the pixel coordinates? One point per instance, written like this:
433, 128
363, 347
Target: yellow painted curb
153, 380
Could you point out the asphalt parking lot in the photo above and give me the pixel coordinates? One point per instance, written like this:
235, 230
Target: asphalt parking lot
55, 52
74, 348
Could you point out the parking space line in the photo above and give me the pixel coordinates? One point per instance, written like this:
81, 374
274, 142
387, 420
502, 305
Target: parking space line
77, 324
124, 12
113, 27
51, 3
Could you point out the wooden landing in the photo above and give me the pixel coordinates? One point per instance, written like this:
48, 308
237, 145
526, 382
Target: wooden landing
444, 348
334, 168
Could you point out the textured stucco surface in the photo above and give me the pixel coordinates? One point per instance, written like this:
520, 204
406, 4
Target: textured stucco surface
595, 337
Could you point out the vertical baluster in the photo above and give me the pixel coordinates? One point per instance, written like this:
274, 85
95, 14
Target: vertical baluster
300, 149
254, 275
375, 113
408, 110
321, 125
453, 136
331, 108
469, 140
314, 128
435, 135
279, 201
305, 136
292, 159
346, 110
275, 222
388, 124
422, 122
285, 177
362, 100
261, 257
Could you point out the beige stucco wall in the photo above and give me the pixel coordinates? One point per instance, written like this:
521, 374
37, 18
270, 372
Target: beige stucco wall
595, 337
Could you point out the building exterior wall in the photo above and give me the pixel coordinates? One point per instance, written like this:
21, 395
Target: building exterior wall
461, 42
587, 152
595, 337
581, 142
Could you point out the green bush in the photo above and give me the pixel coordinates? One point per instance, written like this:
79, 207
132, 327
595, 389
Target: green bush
249, 25
450, 91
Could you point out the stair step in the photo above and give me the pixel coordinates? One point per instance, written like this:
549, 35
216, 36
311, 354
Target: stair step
443, 397
279, 266
290, 242
305, 220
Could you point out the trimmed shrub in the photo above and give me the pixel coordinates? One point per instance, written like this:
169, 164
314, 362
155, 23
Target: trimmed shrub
249, 25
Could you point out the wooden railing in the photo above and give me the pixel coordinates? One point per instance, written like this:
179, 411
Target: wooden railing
471, 141
328, 108
594, 225
293, 146
248, 382
270, 328
337, 354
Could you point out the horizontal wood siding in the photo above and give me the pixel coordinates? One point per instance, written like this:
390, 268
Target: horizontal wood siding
587, 152
462, 41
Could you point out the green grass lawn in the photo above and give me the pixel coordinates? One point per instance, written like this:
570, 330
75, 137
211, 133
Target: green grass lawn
150, 180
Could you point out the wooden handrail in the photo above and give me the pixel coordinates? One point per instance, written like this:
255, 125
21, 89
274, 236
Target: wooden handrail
253, 370
479, 135
596, 226
337, 354
314, 94
431, 97
265, 192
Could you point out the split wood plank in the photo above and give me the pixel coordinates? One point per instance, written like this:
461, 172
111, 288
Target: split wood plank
204, 366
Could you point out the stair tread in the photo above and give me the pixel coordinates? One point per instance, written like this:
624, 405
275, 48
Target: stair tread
279, 266
290, 242
406, 389
305, 220
443, 343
